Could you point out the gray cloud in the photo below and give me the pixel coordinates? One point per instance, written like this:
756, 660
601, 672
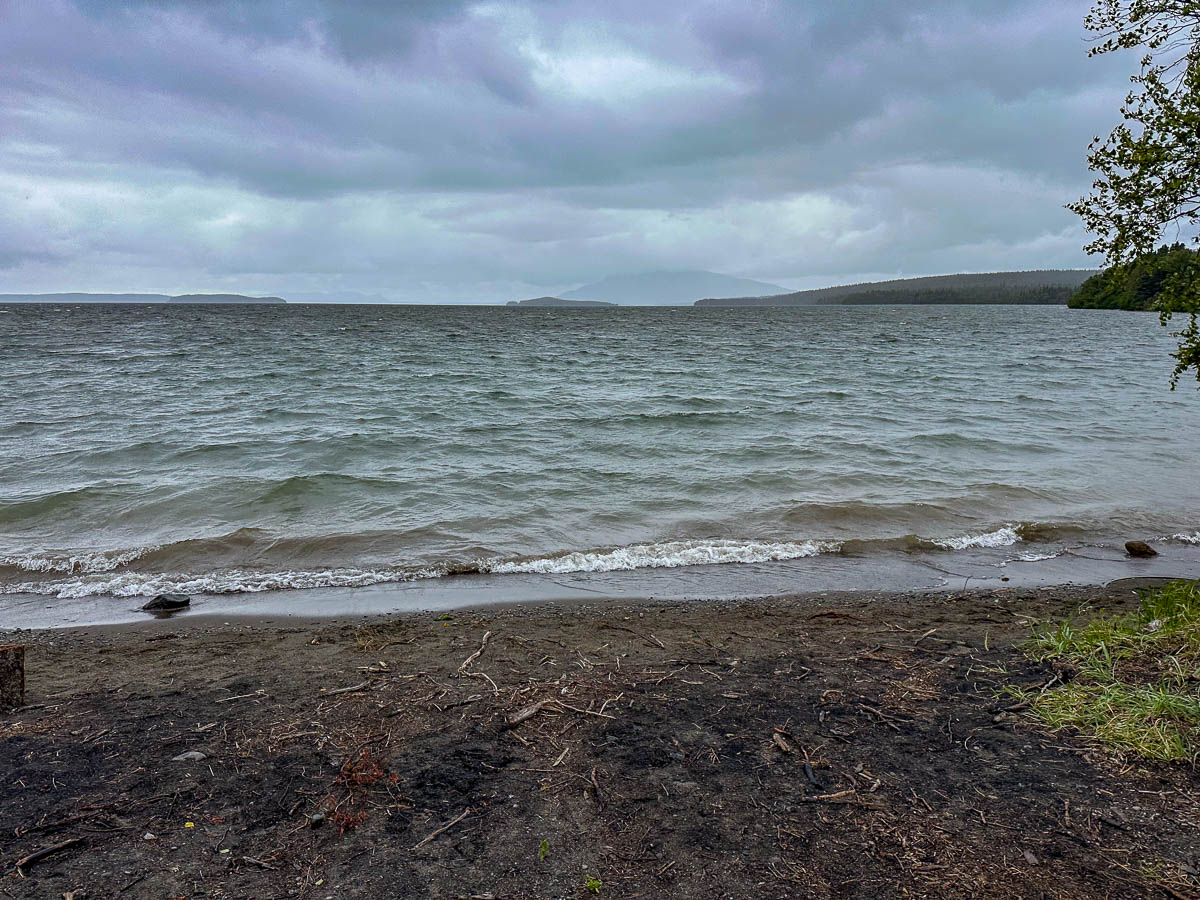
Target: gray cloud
468, 151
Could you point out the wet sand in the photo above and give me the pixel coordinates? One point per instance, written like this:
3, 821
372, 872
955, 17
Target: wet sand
842, 745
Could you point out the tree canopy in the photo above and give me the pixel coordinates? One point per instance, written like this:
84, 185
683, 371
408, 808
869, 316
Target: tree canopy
1148, 169
1136, 285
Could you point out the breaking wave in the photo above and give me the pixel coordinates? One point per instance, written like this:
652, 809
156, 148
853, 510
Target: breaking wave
1001, 537
240, 563
138, 584
668, 554
74, 563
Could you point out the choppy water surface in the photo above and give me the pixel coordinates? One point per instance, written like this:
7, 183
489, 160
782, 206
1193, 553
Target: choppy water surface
233, 449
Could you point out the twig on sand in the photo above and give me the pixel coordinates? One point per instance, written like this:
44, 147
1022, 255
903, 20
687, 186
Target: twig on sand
527, 713
486, 677
44, 852
466, 663
433, 834
259, 693
849, 798
583, 712
347, 690
130, 884
595, 785
651, 639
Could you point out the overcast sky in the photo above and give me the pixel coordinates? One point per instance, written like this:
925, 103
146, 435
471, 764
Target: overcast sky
451, 152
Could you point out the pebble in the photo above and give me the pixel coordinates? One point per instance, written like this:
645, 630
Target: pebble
190, 756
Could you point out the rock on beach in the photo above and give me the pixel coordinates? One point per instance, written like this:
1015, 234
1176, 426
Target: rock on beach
1140, 549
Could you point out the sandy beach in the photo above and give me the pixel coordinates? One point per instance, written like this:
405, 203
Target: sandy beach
849, 745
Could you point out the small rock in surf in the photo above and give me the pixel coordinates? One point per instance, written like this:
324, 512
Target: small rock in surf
168, 603
1140, 549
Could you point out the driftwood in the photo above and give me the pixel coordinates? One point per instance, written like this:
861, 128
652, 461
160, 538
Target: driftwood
29, 860
527, 713
554, 705
12, 676
466, 663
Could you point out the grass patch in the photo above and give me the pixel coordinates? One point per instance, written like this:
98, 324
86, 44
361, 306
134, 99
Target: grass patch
1130, 682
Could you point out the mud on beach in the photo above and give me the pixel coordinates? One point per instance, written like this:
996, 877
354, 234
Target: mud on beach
828, 746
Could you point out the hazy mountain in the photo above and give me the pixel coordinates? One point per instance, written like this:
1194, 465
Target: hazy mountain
559, 302
135, 298
670, 288
1045, 287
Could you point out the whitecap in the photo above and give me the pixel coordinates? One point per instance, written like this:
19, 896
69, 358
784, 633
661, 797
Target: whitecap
75, 564
1001, 537
666, 554
139, 584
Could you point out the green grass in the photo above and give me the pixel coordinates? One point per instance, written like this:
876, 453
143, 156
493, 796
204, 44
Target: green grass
1130, 682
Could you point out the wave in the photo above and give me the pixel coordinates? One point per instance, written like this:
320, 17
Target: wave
1030, 556
667, 554
1005, 536
1001, 537
74, 563
252, 560
1013, 533
142, 584
42, 505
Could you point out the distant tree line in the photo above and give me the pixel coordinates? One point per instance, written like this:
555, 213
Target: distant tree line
1140, 284
1043, 287
1031, 295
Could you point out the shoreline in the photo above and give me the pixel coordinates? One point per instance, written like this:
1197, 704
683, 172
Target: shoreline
185, 622
836, 744
833, 573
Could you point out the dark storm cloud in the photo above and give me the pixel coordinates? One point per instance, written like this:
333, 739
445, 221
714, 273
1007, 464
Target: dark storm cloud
464, 150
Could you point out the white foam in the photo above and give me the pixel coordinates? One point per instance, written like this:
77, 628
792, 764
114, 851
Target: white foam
1001, 537
667, 554
1187, 538
138, 584
75, 564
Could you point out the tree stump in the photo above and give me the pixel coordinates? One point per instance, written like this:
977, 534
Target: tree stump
12, 676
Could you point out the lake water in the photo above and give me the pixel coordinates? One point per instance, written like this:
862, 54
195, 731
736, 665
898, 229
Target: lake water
241, 450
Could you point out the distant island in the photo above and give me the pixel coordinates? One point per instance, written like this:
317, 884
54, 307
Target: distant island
556, 303
669, 288
135, 298
1050, 287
